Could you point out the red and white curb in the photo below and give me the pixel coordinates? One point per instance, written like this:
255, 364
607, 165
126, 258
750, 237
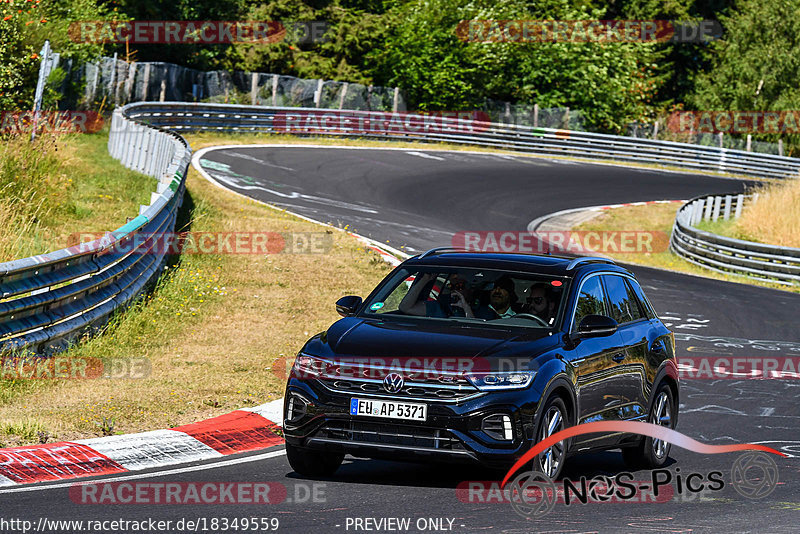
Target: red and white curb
612, 206
247, 429
537, 223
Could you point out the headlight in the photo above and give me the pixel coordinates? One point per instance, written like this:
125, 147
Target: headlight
491, 381
307, 366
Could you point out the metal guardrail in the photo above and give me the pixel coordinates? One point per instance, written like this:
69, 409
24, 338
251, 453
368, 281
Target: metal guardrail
50, 300
725, 254
180, 116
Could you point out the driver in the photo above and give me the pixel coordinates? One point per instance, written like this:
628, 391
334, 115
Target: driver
539, 302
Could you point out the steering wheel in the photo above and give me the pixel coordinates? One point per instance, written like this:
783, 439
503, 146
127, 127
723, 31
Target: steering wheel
531, 316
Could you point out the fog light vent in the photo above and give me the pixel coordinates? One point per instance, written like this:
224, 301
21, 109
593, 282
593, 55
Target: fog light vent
296, 409
498, 427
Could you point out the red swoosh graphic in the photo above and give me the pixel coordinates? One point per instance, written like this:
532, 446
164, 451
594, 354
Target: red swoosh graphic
633, 427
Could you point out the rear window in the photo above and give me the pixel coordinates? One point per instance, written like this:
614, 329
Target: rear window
623, 303
641, 298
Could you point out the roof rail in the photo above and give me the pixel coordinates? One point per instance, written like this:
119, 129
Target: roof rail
439, 250
588, 259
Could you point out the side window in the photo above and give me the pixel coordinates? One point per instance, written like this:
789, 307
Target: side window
644, 304
590, 301
621, 300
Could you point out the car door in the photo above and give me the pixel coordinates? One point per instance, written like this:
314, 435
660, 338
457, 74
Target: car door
634, 327
594, 361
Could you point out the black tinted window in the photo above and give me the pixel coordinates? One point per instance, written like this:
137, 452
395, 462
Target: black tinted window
590, 301
621, 300
470, 294
644, 304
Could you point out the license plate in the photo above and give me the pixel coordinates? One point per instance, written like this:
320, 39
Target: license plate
389, 409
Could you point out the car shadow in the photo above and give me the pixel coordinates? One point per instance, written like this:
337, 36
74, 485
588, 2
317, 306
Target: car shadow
440, 475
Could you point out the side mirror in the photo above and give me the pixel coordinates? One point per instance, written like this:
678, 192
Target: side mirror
597, 326
347, 306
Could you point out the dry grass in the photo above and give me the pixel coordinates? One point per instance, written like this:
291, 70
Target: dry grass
657, 218
212, 331
775, 217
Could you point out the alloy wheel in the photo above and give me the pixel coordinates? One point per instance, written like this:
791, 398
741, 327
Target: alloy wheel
550, 459
662, 416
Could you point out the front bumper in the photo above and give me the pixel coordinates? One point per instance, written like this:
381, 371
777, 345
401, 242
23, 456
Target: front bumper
453, 431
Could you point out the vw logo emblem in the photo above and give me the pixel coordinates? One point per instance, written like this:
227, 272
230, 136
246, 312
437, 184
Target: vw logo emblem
393, 383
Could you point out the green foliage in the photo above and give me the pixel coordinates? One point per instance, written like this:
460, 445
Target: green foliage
24, 26
352, 33
200, 56
613, 83
757, 65
681, 62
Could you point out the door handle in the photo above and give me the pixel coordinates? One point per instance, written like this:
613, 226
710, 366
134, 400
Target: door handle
618, 357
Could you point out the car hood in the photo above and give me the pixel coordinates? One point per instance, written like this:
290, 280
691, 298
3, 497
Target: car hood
355, 337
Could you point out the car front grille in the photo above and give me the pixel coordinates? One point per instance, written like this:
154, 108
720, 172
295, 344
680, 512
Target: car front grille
431, 389
389, 434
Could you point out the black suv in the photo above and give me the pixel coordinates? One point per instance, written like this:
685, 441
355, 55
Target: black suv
460, 356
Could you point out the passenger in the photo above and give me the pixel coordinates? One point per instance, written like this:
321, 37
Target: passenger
501, 297
540, 303
453, 304
411, 303
460, 297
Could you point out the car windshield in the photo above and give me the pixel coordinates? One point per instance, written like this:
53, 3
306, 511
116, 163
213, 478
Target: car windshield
471, 295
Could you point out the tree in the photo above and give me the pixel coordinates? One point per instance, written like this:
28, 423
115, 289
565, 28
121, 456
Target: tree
24, 27
757, 64
613, 83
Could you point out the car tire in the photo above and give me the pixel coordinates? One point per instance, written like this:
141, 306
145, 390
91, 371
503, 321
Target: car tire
553, 418
313, 463
652, 453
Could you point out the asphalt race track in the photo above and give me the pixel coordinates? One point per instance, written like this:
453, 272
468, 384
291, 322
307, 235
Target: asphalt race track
418, 200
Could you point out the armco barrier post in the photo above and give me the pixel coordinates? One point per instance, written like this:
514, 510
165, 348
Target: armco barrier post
739, 205
717, 204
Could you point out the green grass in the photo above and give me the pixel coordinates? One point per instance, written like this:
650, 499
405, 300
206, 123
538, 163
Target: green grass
26, 430
720, 227
61, 186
